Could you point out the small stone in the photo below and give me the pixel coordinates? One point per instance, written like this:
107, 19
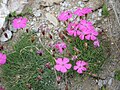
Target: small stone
81, 4
37, 13
95, 4
31, 23
50, 2
47, 9
6, 36
50, 26
110, 82
98, 18
98, 29
100, 83
2, 20
5, 1
105, 19
100, 13
13, 29
85, 0
52, 19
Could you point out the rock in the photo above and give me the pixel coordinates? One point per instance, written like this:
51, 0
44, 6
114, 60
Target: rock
13, 29
37, 13
100, 83
5, 1
85, 0
98, 29
110, 82
3, 13
100, 12
50, 2
2, 20
81, 4
6, 36
16, 5
95, 4
52, 19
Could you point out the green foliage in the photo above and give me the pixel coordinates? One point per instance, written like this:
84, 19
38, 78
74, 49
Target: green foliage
87, 52
117, 75
23, 68
103, 88
105, 11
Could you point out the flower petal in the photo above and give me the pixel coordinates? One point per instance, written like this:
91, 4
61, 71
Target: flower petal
75, 67
68, 66
57, 67
63, 69
80, 71
81, 37
59, 61
93, 37
84, 69
65, 60
87, 37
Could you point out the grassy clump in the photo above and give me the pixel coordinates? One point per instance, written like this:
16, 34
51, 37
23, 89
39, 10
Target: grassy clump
87, 52
105, 11
117, 75
25, 69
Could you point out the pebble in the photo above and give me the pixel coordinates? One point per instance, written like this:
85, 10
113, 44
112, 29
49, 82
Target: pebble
12, 29
100, 83
47, 9
100, 12
85, 0
110, 82
3, 38
37, 13
52, 19
81, 4
98, 29
95, 4
50, 2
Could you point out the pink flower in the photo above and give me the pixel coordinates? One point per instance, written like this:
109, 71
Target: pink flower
1, 88
87, 10
62, 65
83, 32
79, 12
60, 46
92, 35
3, 58
19, 23
82, 12
96, 43
73, 29
80, 66
86, 24
65, 15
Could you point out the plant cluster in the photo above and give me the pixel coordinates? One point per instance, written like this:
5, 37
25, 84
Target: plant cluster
77, 28
78, 50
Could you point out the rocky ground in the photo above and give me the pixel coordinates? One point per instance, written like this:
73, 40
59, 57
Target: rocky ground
44, 16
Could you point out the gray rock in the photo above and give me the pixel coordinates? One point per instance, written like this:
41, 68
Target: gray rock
16, 5
100, 83
52, 19
3, 38
85, 0
37, 13
49, 2
110, 81
95, 4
